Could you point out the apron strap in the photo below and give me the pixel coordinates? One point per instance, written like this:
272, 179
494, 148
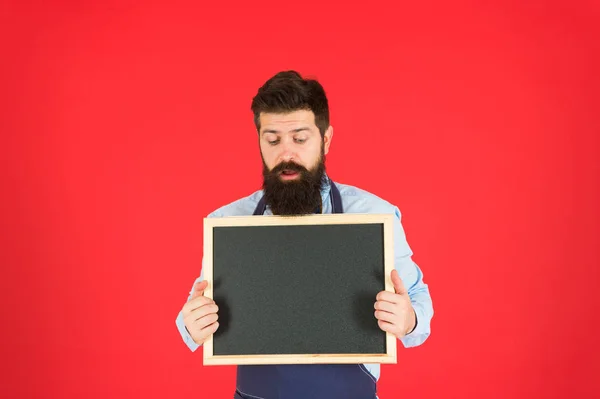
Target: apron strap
261, 207
336, 199
334, 195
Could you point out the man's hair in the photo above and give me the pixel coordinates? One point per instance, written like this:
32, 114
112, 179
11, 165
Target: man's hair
287, 91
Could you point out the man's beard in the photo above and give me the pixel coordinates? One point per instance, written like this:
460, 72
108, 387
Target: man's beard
300, 196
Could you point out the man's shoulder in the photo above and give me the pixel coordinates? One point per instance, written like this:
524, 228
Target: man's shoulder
358, 200
241, 207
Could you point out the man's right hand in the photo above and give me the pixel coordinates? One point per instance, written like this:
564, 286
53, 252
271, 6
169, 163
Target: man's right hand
200, 314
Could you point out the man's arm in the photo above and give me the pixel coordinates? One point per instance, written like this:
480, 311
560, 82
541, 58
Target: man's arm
418, 291
179, 321
185, 335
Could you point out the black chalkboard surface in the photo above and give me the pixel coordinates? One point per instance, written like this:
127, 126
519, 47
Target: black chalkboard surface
298, 289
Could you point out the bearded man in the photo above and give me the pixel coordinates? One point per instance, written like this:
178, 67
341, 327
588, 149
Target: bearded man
291, 115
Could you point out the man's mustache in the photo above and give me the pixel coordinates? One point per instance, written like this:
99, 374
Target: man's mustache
288, 166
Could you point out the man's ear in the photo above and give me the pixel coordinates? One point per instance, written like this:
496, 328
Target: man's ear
327, 137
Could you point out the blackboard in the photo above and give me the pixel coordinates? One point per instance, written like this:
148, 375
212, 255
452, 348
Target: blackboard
298, 289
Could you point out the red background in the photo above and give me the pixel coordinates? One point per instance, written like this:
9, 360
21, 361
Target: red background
124, 124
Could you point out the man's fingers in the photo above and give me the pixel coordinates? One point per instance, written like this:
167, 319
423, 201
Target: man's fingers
384, 306
200, 314
210, 329
205, 321
200, 335
398, 284
389, 297
196, 303
199, 289
385, 316
202, 311
386, 326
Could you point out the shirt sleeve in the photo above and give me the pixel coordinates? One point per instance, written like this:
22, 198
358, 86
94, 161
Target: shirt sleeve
185, 335
418, 291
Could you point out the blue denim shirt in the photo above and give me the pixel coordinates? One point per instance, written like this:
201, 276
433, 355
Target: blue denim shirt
354, 200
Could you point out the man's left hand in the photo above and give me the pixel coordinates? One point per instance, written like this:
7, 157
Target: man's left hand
394, 311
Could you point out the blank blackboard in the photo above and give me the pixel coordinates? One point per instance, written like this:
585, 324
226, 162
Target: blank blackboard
298, 289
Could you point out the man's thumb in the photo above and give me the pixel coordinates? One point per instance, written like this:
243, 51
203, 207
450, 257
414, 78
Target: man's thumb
398, 284
199, 289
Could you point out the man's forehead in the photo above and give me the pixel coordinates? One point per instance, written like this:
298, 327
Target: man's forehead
287, 119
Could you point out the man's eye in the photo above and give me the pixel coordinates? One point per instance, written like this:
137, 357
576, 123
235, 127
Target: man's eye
300, 140
273, 142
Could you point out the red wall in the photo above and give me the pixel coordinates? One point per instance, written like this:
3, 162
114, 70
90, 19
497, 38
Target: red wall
123, 125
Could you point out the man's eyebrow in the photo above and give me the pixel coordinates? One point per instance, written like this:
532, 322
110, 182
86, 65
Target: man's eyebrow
297, 130
300, 129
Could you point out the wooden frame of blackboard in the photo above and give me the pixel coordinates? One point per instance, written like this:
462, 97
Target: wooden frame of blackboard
386, 220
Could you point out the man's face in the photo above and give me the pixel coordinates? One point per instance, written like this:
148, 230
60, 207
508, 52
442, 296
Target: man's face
293, 153
292, 137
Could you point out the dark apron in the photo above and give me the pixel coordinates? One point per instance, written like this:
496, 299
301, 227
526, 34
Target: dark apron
305, 381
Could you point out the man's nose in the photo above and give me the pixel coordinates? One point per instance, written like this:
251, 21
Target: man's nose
287, 152
287, 156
